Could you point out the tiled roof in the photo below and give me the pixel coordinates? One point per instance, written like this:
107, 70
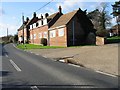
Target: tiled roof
52, 16
115, 26
21, 27
64, 19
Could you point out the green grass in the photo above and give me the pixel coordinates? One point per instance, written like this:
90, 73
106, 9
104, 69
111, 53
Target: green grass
84, 45
113, 38
32, 46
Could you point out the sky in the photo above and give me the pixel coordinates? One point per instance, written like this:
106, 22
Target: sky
11, 11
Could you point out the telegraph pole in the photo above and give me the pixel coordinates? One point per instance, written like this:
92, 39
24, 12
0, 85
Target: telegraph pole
23, 26
7, 33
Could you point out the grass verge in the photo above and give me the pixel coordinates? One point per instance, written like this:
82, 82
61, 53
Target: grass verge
32, 46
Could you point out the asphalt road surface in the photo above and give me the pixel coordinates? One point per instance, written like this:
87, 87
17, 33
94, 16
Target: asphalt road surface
25, 70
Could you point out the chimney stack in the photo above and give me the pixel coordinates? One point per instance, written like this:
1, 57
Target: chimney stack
27, 19
34, 15
41, 16
60, 9
46, 15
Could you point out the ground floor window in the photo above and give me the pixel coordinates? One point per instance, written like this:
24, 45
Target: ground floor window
52, 34
40, 35
61, 32
30, 36
45, 34
34, 36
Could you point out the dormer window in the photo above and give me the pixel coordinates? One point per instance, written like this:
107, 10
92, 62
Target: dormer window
37, 24
30, 26
34, 25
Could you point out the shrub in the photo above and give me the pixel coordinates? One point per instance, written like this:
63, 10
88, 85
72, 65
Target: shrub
101, 33
44, 41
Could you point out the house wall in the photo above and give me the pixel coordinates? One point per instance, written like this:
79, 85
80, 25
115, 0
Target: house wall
37, 31
20, 33
58, 40
75, 33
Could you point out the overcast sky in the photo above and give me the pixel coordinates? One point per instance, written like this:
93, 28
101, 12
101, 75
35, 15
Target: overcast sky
11, 10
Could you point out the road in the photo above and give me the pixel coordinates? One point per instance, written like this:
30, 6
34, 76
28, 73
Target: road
25, 70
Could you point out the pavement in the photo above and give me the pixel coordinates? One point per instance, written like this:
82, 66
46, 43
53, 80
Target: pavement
27, 71
99, 58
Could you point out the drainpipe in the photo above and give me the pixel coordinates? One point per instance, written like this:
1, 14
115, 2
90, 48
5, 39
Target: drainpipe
48, 38
73, 24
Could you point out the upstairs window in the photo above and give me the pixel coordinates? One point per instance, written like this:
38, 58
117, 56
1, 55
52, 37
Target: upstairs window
30, 26
34, 25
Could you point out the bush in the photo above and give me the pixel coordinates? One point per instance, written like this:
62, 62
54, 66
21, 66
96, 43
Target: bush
101, 33
44, 41
26, 41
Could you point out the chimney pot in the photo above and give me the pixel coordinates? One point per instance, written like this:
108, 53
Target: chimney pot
27, 19
46, 15
34, 15
41, 16
60, 9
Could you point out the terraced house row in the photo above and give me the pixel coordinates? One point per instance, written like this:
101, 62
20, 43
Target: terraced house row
73, 28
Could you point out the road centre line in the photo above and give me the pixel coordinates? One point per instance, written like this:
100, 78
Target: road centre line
6, 55
34, 88
73, 65
106, 73
36, 54
15, 66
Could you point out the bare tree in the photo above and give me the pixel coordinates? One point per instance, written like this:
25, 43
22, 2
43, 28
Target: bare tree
101, 19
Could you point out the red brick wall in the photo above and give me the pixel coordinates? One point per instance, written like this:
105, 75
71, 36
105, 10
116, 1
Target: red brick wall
59, 40
20, 33
36, 31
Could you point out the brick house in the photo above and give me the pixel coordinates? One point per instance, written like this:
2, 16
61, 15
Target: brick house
20, 33
59, 29
70, 29
26, 27
39, 29
115, 30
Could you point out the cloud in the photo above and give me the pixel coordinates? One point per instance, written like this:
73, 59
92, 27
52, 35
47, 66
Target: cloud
12, 29
68, 5
113, 21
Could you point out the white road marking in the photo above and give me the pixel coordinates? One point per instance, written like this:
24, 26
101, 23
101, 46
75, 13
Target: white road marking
34, 88
73, 65
15, 66
106, 74
6, 55
36, 54
14, 45
62, 60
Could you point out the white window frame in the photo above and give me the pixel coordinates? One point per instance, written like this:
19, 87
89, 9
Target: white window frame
53, 34
39, 23
34, 25
61, 32
31, 36
25, 38
40, 35
34, 36
30, 26
45, 34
